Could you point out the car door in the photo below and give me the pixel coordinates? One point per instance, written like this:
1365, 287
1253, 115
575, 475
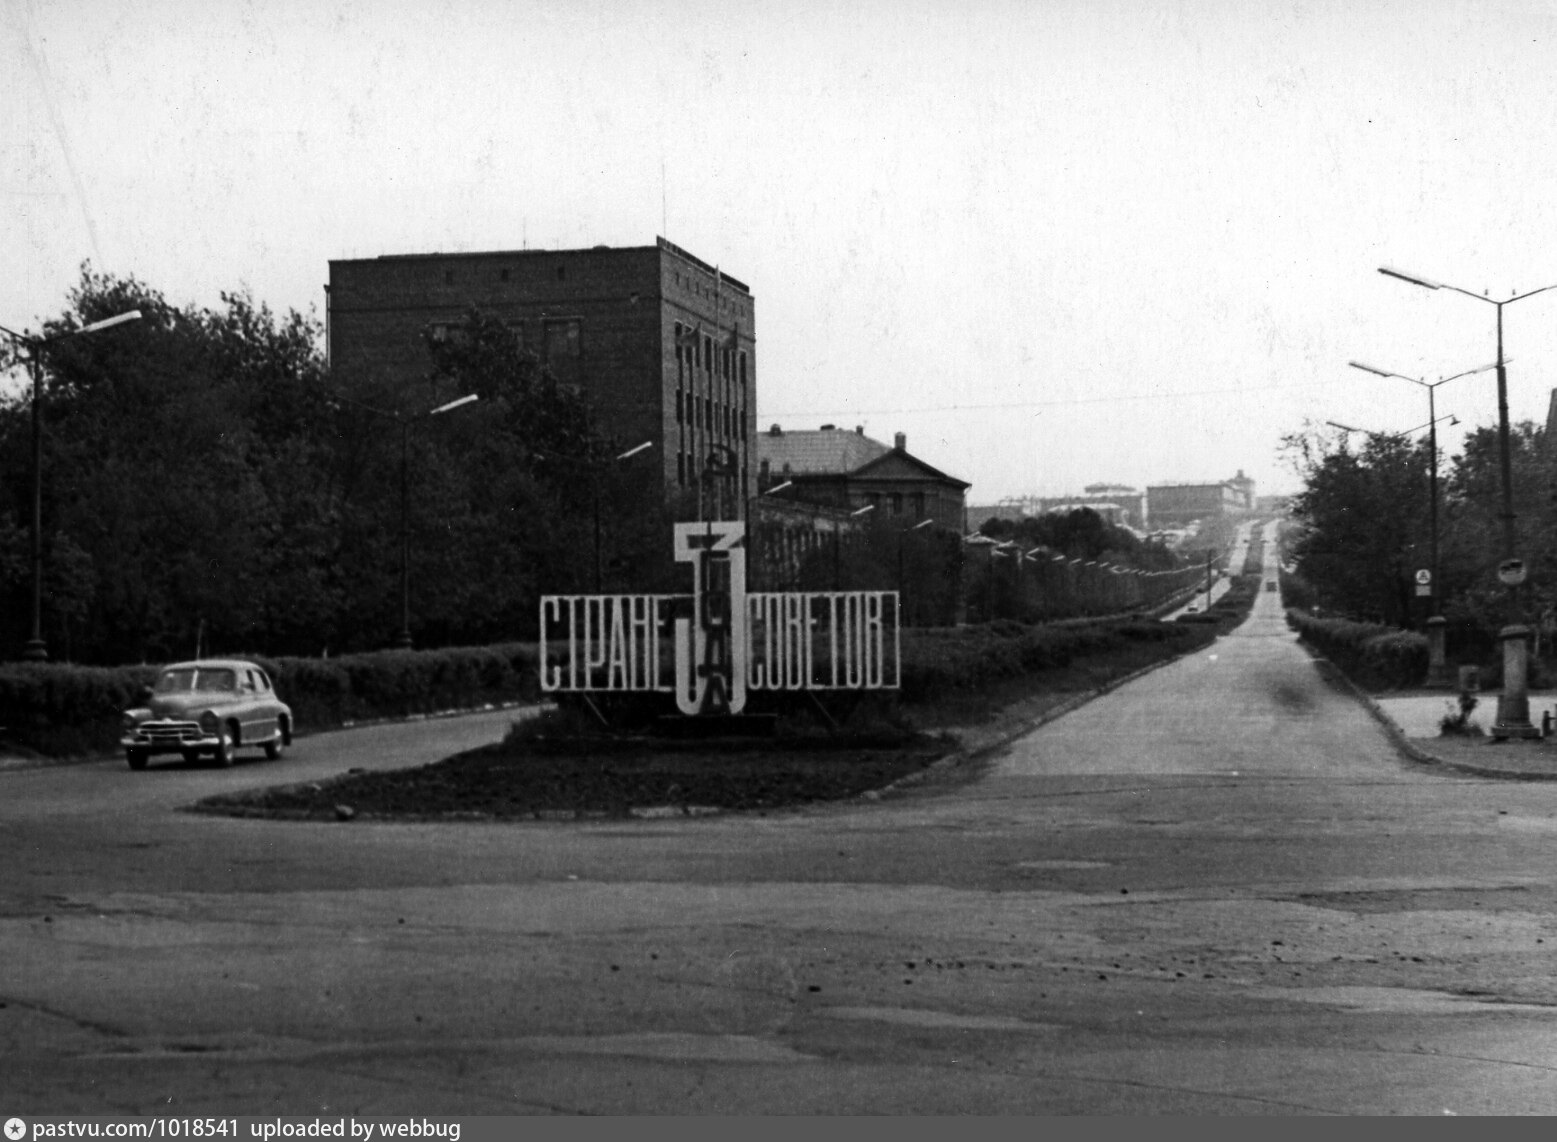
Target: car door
268, 707
258, 721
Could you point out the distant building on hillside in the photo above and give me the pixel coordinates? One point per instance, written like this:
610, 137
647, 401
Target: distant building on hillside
1117, 503
1173, 505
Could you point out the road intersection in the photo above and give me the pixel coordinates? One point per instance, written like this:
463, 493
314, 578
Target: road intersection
1218, 889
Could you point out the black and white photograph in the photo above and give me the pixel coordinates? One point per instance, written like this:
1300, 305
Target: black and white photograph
693, 559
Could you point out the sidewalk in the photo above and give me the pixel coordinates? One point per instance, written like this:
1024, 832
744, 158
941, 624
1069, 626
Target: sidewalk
1415, 720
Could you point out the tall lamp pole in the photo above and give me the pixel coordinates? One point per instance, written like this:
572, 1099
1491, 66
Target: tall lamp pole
1513, 717
633, 451
404, 420
901, 589
1437, 671
37, 650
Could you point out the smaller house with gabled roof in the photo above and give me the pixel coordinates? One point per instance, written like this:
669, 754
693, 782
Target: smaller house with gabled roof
847, 470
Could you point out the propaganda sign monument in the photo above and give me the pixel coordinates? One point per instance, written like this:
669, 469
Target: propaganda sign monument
724, 642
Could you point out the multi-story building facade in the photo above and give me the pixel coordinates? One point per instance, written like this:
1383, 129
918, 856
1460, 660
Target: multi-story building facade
1173, 505
661, 344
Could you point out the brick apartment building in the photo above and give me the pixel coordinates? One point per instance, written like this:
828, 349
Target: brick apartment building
662, 344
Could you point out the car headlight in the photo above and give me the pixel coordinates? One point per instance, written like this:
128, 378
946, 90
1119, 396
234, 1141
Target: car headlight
208, 722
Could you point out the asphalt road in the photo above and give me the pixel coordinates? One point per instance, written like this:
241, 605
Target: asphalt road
1217, 889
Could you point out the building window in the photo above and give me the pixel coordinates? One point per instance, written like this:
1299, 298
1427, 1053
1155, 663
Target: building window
919, 505
678, 406
681, 467
564, 338
447, 332
708, 353
897, 503
742, 369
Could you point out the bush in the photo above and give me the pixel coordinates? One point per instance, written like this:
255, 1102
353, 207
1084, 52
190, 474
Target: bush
1374, 656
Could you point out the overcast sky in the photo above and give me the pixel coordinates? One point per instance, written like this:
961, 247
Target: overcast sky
1054, 242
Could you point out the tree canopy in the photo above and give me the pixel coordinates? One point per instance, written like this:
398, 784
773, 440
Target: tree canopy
1363, 524
208, 482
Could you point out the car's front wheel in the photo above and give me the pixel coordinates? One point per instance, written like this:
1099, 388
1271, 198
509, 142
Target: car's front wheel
273, 747
224, 748
136, 758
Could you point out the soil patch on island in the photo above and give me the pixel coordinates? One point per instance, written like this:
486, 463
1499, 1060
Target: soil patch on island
517, 780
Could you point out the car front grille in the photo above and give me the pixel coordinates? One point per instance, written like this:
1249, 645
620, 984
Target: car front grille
170, 733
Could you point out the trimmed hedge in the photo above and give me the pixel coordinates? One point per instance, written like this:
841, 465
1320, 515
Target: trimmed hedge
942, 661
62, 710
1374, 656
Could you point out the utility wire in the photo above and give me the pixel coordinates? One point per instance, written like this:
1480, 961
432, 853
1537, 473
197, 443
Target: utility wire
1047, 403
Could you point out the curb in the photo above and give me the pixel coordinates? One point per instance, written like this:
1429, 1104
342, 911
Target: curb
1403, 744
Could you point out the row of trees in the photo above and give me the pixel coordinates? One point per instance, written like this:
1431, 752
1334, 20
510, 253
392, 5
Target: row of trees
208, 482
211, 484
1362, 527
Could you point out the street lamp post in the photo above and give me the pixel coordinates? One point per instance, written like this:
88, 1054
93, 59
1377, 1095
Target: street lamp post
920, 526
1513, 717
758, 554
1437, 670
595, 473
404, 420
37, 650
404, 640
838, 544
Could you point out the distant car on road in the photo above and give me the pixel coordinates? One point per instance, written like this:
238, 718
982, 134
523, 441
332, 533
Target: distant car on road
207, 707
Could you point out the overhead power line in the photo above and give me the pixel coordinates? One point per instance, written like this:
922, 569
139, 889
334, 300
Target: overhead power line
1000, 405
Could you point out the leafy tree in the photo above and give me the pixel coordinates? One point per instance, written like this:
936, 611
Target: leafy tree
154, 514
1362, 521
1473, 544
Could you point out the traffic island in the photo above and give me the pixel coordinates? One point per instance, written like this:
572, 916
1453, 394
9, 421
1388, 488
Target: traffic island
529, 778
975, 689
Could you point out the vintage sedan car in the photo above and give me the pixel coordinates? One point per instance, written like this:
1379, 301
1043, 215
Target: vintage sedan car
211, 706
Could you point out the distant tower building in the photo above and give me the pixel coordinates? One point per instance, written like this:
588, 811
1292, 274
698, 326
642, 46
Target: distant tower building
1245, 489
661, 344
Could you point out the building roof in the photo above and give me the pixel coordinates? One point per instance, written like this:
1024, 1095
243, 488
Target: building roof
660, 244
825, 451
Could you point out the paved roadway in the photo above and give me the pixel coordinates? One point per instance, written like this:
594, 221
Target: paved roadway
1222, 584
1215, 890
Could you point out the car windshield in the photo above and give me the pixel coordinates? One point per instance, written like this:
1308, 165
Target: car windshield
192, 678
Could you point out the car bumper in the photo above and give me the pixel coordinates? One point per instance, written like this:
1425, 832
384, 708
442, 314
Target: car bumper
169, 737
